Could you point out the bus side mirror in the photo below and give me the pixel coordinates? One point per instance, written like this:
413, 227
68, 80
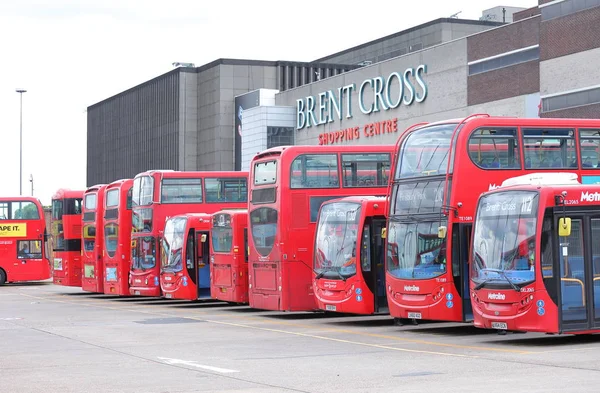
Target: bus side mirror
564, 226
383, 233
203, 238
442, 231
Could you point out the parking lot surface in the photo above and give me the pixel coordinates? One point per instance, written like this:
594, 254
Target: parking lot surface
61, 339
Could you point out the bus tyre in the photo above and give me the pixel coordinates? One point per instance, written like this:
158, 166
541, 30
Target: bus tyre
2, 277
404, 321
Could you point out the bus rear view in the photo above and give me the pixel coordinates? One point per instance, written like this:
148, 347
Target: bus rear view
288, 185
93, 239
229, 256
66, 237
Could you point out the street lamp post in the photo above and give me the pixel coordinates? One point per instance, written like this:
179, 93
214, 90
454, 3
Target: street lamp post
21, 91
31, 180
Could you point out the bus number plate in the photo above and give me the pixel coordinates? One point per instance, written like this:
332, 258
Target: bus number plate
223, 290
330, 307
499, 325
136, 292
414, 315
168, 296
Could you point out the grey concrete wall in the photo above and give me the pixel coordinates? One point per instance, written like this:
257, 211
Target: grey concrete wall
570, 72
409, 40
135, 131
188, 127
217, 88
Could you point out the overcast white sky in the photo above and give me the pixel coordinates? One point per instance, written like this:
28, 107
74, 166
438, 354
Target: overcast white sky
70, 54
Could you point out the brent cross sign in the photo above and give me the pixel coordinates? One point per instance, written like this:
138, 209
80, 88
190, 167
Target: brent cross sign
383, 94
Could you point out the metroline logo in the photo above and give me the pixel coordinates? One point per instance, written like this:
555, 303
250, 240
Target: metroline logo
590, 197
411, 288
496, 296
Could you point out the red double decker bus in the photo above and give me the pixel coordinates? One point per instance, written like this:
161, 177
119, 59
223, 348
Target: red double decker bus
440, 170
229, 256
288, 185
117, 237
535, 261
186, 238
65, 229
93, 239
22, 240
349, 272
158, 195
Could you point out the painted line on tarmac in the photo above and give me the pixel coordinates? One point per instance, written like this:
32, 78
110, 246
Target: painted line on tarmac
394, 338
192, 363
339, 340
304, 326
568, 350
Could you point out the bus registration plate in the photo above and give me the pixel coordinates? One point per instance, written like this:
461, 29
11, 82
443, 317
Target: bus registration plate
499, 325
414, 315
330, 307
136, 292
168, 295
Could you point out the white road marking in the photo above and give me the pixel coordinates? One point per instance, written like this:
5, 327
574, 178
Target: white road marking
192, 363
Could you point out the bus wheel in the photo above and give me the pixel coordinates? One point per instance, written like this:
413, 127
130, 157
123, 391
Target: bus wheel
404, 321
2, 277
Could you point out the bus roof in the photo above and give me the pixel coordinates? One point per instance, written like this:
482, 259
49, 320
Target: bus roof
542, 179
94, 188
191, 215
62, 193
281, 150
119, 183
20, 199
521, 121
179, 174
232, 210
359, 199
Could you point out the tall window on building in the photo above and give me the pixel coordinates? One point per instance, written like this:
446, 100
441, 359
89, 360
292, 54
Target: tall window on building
280, 136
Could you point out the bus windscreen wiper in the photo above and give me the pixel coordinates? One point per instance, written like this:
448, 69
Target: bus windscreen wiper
503, 274
328, 271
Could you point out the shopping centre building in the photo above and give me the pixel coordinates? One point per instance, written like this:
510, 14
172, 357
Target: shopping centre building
536, 62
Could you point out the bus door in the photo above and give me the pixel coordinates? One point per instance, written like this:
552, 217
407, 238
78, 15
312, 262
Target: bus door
461, 247
372, 261
579, 267
190, 257
203, 263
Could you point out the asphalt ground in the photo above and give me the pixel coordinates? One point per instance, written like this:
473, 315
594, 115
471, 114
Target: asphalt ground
61, 339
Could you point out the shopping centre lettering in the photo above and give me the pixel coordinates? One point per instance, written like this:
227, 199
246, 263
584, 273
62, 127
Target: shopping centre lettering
329, 106
367, 131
